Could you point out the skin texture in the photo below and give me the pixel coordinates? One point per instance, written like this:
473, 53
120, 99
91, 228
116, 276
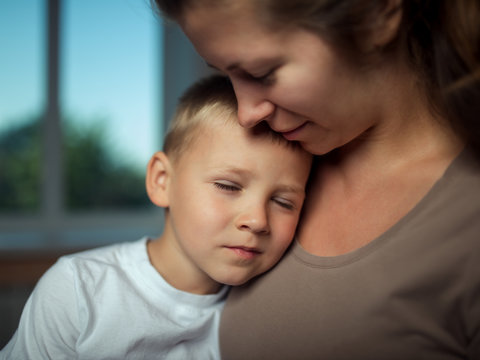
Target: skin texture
291, 79
232, 207
384, 146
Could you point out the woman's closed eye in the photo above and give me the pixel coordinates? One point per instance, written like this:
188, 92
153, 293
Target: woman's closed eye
263, 78
266, 78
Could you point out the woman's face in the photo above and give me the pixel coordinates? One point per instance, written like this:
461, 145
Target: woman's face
291, 79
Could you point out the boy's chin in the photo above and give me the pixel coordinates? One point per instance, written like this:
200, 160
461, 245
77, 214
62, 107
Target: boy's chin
235, 280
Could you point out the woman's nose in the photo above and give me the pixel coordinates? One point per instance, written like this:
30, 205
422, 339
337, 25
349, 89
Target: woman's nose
253, 108
253, 219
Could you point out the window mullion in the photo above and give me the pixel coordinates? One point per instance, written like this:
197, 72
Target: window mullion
53, 185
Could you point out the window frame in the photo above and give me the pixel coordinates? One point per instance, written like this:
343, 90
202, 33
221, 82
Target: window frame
56, 229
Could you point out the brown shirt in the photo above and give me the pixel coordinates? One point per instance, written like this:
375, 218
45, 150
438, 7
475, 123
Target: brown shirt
412, 293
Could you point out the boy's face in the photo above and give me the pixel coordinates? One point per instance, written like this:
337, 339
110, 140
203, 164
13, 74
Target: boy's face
234, 203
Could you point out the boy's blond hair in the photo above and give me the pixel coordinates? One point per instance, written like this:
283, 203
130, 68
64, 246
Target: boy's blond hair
207, 103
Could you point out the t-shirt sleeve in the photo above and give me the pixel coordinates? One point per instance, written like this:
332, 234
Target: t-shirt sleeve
474, 348
471, 313
49, 325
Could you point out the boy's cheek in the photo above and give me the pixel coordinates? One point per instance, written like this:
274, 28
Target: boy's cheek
286, 232
291, 224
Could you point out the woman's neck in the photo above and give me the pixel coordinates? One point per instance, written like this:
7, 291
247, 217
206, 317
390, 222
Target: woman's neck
407, 130
363, 188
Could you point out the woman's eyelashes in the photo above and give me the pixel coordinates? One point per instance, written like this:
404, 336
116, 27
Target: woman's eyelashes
265, 79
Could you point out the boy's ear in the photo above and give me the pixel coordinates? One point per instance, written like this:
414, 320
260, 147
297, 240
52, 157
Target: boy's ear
157, 180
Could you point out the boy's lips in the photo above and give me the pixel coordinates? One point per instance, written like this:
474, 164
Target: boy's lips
244, 251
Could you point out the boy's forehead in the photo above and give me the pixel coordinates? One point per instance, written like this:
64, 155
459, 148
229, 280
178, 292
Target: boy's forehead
231, 140
236, 135
235, 152
228, 124
218, 135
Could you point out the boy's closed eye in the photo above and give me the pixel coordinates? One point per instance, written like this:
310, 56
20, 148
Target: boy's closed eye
227, 186
284, 203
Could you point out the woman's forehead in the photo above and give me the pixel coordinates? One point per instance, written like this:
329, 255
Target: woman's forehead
220, 37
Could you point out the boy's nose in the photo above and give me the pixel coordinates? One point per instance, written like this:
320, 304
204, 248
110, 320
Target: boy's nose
253, 219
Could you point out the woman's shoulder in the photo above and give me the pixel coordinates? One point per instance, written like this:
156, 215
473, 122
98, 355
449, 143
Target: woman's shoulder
466, 163
462, 179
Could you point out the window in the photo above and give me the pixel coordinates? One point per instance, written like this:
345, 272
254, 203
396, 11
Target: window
108, 77
82, 110
21, 102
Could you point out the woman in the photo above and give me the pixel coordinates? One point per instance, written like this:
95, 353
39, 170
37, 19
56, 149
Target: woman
387, 93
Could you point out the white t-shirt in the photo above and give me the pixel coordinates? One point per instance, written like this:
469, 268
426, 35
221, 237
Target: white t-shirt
111, 303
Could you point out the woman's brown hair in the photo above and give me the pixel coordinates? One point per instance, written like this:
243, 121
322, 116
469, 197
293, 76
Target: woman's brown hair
441, 39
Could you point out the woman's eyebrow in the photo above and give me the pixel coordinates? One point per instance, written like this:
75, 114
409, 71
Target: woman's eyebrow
211, 66
237, 65
234, 66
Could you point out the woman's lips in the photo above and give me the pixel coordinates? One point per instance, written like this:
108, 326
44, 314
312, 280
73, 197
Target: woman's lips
293, 134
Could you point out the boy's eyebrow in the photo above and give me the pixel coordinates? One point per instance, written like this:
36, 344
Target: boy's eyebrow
236, 170
293, 189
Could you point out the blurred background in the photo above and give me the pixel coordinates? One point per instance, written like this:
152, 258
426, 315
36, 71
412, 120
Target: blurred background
86, 91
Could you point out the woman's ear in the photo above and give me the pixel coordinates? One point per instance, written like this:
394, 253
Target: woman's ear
386, 23
157, 180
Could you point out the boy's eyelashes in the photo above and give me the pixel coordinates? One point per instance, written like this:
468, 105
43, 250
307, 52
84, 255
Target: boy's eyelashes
227, 186
284, 203
233, 187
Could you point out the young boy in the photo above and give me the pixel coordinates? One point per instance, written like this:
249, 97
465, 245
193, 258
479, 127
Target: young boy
232, 198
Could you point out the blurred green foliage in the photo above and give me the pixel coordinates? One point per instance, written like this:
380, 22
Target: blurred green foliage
93, 177
20, 171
